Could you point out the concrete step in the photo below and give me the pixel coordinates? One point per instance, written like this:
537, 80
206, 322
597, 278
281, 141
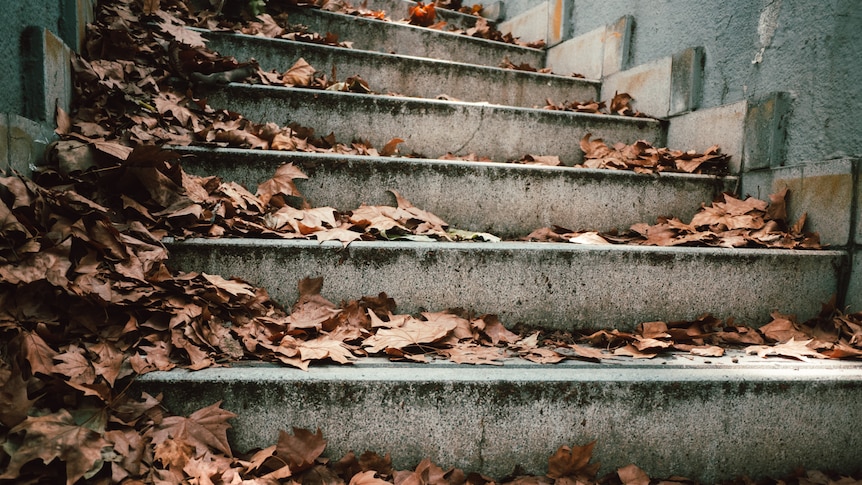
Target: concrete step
551, 285
706, 419
399, 38
410, 76
400, 9
507, 200
431, 127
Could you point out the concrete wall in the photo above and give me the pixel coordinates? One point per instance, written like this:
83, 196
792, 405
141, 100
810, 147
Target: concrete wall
755, 47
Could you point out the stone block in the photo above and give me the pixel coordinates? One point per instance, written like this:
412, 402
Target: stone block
723, 126
686, 83
766, 131
75, 15
4, 141
582, 55
48, 74
27, 142
617, 42
823, 190
648, 84
529, 26
559, 28
857, 214
853, 298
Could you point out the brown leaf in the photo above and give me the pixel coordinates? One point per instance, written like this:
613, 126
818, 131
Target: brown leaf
391, 147
573, 462
367, 478
792, 349
205, 429
413, 332
281, 183
56, 436
300, 449
300, 74
632, 475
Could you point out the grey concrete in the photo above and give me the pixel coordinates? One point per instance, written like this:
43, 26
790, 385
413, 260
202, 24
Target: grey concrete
594, 54
824, 190
530, 25
66, 18
27, 141
853, 300
433, 128
708, 420
723, 126
753, 48
507, 200
377, 35
409, 76
559, 29
581, 55
661, 88
560, 285
47, 62
765, 143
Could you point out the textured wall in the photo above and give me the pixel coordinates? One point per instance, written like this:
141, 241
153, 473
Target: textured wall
753, 47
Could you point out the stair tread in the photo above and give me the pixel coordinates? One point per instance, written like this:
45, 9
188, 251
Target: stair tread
378, 35
549, 285
411, 75
434, 127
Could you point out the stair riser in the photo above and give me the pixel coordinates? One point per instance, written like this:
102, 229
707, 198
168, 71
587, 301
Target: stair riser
706, 424
560, 286
509, 201
433, 128
400, 9
410, 76
376, 35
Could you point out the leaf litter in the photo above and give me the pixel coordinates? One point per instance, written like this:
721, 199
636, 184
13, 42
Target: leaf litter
87, 300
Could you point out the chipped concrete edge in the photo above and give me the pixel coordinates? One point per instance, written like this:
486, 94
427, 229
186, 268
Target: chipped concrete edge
530, 25
594, 54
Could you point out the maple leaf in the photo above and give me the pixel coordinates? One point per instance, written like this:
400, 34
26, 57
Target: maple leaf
300, 74
422, 15
14, 402
470, 353
182, 34
632, 475
300, 449
281, 183
323, 348
57, 436
413, 332
792, 349
367, 478
204, 429
782, 328
573, 462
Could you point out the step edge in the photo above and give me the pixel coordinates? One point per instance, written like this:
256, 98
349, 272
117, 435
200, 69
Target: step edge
335, 157
517, 247
425, 29
428, 60
285, 92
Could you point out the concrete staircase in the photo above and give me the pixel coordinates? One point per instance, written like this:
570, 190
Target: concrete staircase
709, 419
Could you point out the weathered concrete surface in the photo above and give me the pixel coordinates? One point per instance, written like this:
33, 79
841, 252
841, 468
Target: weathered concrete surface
804, 48
766, 131
377, 35
823, 190
507, 200
661, 88
48, 70
559, 28
708, 420
595, 54
433, 128
581, 55
723, 126
409, 76
26, 141
853, 300
530, 25
550, 285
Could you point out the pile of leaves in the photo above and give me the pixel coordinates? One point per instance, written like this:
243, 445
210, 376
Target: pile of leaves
620, 105
87, 302
642, 157
733, 223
